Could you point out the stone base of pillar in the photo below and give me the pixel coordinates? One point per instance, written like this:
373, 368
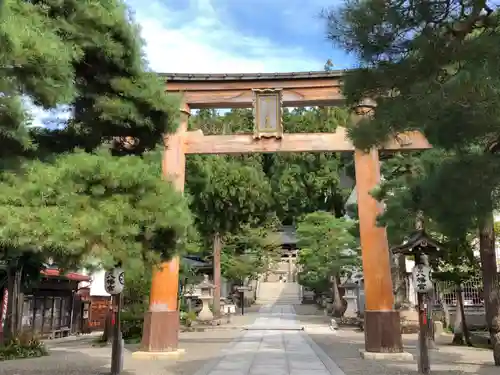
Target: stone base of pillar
383, 332
402, 356
160, 332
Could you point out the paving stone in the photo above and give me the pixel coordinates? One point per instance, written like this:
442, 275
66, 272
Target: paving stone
310, 372
268, 371
278, 346
309, 365
231, 365
229, 372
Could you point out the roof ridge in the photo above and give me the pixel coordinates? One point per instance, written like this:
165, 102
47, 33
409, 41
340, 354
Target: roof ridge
249, 76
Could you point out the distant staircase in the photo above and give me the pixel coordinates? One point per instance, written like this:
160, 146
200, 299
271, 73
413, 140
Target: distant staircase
270, 293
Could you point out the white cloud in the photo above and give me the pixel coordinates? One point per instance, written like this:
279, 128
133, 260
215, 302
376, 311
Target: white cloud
197, 40
204, 43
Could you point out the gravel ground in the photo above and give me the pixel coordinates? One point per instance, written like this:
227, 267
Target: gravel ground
343, 348
78, 356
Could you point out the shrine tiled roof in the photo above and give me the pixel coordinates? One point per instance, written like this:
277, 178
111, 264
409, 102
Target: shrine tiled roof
201, 77
418, 238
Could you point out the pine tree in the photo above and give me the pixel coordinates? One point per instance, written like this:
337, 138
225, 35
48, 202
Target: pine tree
433, 67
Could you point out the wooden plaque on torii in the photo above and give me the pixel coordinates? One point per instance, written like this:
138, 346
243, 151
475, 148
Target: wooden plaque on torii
268, 113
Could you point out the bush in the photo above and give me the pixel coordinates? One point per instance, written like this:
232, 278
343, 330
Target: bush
187, 318
131, 325
26, 345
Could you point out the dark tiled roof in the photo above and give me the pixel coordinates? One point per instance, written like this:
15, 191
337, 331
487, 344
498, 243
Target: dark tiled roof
201, 77
418, 238
195, 262
288, 235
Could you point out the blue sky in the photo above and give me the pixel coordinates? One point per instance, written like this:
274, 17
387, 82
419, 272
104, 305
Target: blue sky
219, 36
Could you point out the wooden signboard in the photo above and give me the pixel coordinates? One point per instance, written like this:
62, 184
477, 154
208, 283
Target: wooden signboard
267, 113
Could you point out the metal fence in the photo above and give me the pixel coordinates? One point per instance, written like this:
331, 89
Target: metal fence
472, 291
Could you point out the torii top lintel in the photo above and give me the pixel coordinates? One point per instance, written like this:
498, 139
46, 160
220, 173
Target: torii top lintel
299, 89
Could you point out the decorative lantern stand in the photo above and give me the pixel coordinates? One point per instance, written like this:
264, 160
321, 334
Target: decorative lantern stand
421, 246
242, 290
351, 297
114, 281
206, 315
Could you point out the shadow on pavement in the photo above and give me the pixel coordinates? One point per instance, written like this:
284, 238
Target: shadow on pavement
74, 360
344, 345
80, 357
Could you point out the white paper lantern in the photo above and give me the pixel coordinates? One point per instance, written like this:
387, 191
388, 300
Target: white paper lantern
114, 281
422, 278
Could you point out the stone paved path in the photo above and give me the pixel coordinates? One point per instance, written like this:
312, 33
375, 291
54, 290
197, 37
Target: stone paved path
274, 344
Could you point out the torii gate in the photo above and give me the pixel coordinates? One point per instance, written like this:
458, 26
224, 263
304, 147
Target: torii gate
267, 94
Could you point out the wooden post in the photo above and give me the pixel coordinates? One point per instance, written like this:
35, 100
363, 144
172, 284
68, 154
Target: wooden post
382, 324
161, 322
423, 342
423, 307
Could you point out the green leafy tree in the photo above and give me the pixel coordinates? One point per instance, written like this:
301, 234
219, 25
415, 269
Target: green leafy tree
81, 205
327, 250
88, 207
35, 63
432, 68
249, 253
226, 196
85, 57
307, 182
456, 265
301, 182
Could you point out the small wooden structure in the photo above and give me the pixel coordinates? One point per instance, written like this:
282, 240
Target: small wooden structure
268, 94
51, 308
419, 244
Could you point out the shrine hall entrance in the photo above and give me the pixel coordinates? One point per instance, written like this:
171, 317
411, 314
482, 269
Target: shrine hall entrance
267, 94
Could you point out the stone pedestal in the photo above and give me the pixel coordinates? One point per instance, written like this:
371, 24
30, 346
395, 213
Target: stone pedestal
323, 301
329, 305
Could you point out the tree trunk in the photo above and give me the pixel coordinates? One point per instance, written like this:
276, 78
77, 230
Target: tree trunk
217, 274
491, 293
8, 333
400, 290
461, 310
19, 301
107, 335
458, 332
13, 321
338, 306
446, 310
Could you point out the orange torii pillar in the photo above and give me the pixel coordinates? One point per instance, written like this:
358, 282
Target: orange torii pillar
381, 322
160, 335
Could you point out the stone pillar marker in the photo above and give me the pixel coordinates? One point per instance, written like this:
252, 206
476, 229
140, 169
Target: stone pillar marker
160, 335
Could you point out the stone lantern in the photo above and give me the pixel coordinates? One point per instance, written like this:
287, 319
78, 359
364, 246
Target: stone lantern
351, 296
205, 315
